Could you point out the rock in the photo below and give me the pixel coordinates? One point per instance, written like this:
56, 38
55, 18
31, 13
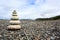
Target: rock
0, 35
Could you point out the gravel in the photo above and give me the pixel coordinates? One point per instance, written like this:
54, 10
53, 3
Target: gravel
31, 30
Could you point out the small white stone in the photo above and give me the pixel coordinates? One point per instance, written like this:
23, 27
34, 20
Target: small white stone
0, 35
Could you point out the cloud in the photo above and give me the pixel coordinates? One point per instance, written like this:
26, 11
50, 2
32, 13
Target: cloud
29, 9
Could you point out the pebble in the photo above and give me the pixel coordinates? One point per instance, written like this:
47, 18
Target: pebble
31, 30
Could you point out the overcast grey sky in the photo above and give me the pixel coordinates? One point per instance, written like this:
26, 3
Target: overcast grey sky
29, 9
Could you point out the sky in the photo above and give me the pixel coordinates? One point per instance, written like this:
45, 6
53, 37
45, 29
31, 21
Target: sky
29, 9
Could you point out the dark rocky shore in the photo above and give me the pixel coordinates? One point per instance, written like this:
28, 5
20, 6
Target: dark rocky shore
31, 30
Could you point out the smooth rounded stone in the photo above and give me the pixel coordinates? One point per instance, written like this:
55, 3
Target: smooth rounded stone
22, 35
24, 38
10, 36
5, 35
19, 35
15, 36
12, 32
0, 35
